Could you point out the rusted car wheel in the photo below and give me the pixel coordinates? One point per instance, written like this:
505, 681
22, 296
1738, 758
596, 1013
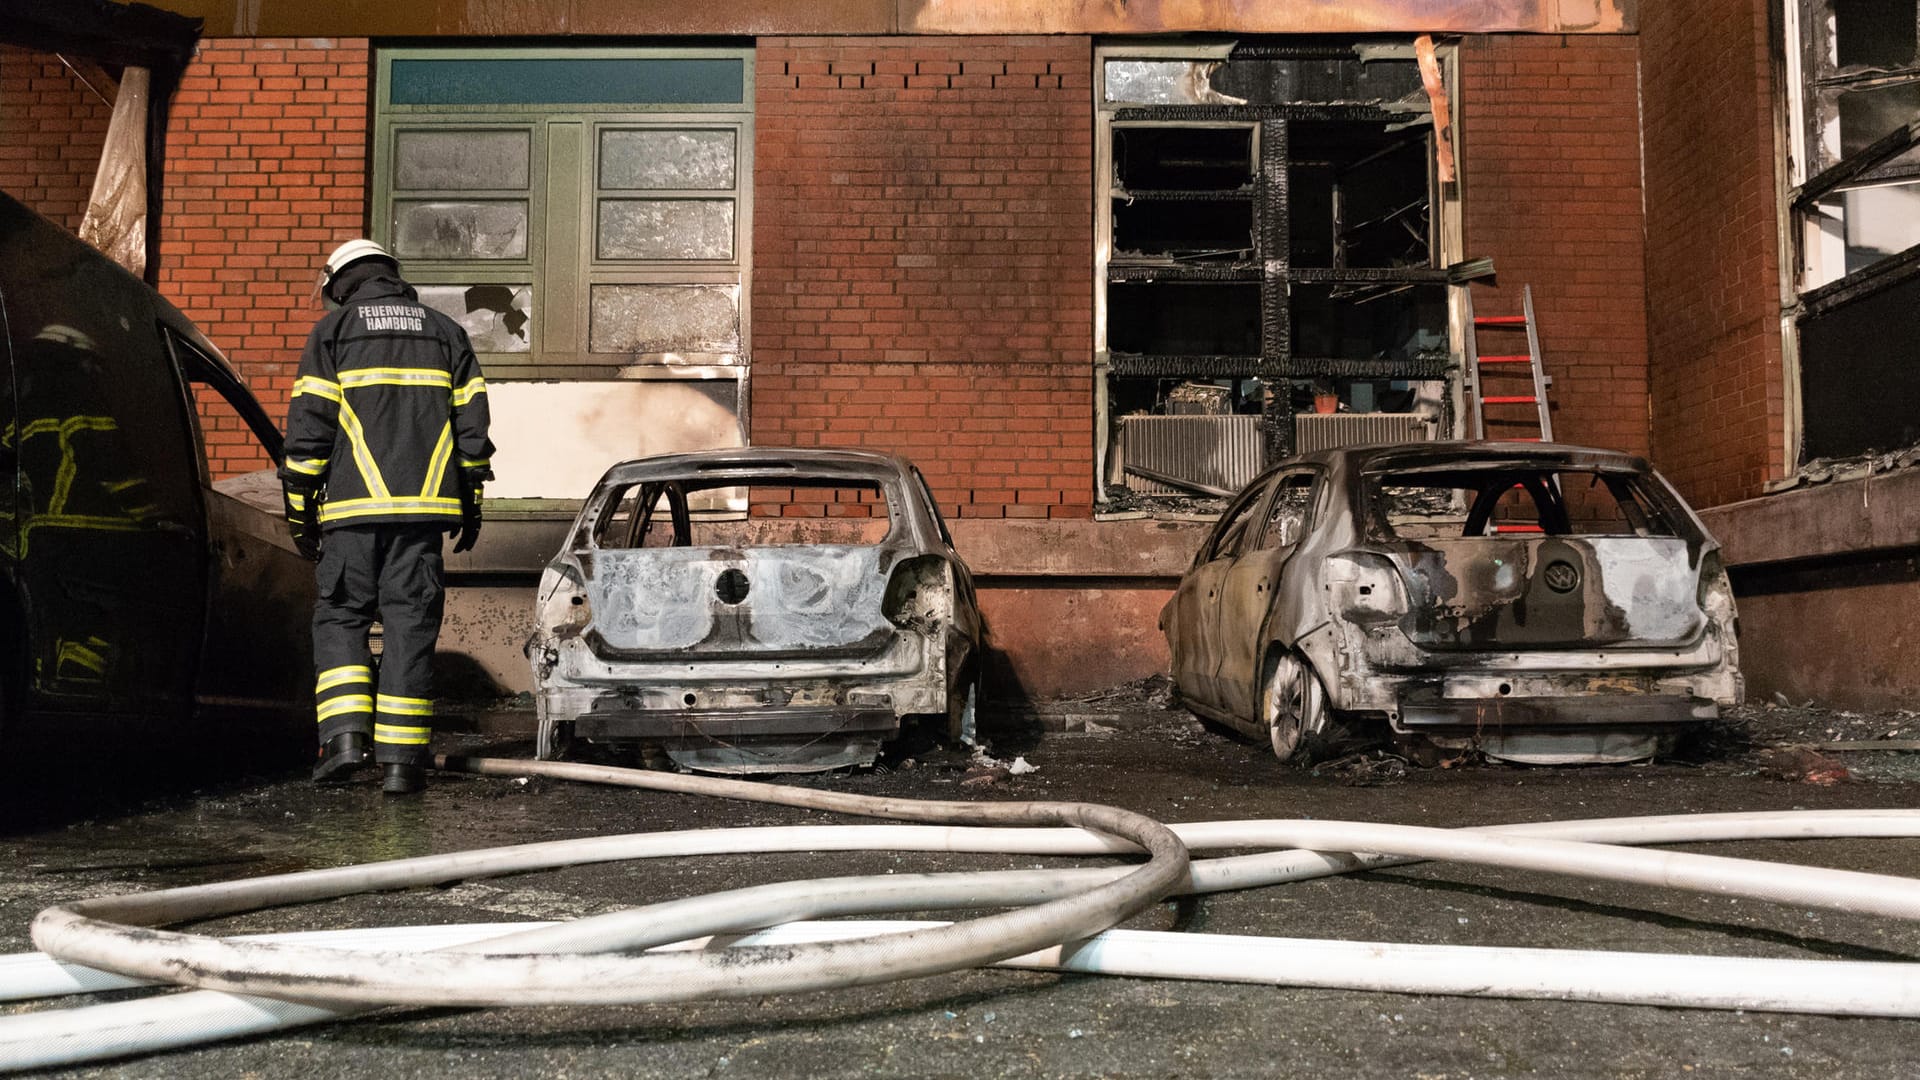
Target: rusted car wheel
1293, 705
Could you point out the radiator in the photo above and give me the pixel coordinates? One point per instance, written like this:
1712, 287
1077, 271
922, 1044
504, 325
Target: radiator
1329, 431
1219, 451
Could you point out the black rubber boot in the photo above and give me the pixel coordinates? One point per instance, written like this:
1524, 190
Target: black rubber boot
341, 755
404, 780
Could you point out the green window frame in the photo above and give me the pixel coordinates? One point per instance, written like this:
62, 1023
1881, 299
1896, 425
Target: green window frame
620, 248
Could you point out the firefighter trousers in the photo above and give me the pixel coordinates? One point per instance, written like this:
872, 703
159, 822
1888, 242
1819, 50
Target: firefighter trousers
391, 573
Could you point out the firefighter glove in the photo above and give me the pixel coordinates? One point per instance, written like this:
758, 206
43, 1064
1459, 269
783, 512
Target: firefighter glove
472, 481
303, 517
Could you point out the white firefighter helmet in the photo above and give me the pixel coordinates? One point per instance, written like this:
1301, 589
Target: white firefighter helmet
349, 253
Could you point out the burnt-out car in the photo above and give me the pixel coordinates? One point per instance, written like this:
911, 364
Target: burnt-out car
755, 610
1542, 603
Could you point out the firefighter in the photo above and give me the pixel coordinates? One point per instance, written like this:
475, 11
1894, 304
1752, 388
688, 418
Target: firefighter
386, 451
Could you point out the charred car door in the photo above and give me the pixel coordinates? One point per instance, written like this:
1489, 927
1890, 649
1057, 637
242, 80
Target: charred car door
1191, 620
1255, 589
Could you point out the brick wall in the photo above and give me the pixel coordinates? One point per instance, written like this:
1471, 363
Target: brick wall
51, 131
266, 172
1550, 140
1713, 267
922, 277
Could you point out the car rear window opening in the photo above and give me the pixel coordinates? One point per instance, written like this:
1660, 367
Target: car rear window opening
786, 510
1503, 500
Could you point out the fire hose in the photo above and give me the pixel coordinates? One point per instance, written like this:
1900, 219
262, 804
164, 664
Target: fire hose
1063, 919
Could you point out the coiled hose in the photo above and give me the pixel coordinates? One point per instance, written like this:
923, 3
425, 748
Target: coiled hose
565, 963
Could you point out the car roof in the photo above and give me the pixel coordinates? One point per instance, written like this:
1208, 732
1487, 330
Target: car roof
834, 462
1374, 457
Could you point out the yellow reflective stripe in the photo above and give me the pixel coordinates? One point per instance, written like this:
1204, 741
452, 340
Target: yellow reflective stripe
296, 500
343, 676
476, 463
340, 706
437, 464
352, 508
81, 656
405, 706
395, 376
362, 453
405, 736
82, 521
473, 389
68, 426
317, 387
309, 466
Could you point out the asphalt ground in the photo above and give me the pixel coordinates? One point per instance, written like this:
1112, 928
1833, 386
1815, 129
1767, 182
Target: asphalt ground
1002, 1023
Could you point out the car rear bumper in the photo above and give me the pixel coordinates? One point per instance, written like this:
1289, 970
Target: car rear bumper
732, 723
1428, 713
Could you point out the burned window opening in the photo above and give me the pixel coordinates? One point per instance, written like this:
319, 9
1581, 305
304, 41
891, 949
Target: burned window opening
1184, 317
1874, 35
1855, 218
1271, 254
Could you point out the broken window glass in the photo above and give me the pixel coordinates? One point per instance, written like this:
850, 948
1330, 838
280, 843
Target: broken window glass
1163, 82
1875, 34
461, 160
666, 158
643, 319
497, 318
1184, 318
666, 229
1868, 115
480, 229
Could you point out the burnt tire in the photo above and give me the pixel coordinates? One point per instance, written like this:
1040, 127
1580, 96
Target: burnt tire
552, 739
963, 709
1294, 709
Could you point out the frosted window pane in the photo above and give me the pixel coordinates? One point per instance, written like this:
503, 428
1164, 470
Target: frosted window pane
460, 160
687, 160
666, 318
666, 228
497, 318
460, 230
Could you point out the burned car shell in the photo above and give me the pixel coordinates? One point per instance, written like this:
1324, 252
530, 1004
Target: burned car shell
1537, 647
742, 657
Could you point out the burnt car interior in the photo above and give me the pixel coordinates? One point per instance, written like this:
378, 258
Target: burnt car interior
1448, 502
690, 512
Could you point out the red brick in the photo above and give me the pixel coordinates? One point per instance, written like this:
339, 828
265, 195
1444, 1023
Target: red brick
921, 278
243, 234
1552, 194
1713, 312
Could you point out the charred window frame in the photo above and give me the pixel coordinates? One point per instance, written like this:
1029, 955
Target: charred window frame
1269, 225
1852, 219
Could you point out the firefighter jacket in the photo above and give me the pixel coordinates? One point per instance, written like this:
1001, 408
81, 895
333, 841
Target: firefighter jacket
389, 411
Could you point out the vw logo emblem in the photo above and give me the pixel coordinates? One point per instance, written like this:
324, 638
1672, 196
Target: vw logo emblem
1562, 577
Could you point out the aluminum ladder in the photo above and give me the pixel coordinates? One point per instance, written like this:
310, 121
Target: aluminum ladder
1478, 365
